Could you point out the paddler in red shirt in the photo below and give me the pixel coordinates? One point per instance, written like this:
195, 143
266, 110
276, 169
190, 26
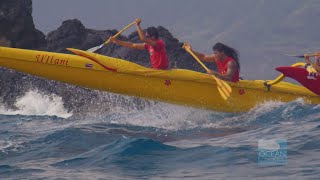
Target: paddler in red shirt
226, 59
152, 43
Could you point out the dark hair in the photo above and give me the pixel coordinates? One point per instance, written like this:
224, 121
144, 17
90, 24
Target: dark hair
152, 31
234, 54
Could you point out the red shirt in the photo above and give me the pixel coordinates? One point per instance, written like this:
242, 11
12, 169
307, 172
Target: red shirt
158, 55
223, 67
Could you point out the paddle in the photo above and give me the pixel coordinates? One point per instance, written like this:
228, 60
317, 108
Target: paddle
302, 56
223, 87
315, 67
116, 35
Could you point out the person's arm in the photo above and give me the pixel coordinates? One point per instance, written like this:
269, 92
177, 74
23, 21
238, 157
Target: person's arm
139, 46
231, 66
307, 59
142, 36
202, 57
316, 62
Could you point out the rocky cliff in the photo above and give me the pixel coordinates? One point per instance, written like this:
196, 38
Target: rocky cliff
17, 24
17, 30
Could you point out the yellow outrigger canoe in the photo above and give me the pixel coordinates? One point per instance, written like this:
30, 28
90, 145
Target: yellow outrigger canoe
177, 86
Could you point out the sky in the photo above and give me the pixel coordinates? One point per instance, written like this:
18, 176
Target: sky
261, 30
102, 14
185, 19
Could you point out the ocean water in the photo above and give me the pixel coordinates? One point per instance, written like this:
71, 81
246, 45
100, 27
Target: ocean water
42, 140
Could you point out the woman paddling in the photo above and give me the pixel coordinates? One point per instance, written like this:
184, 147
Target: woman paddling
226, 59
152, 43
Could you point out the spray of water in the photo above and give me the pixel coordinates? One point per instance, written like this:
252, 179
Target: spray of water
172, 117
35, 103
126, 110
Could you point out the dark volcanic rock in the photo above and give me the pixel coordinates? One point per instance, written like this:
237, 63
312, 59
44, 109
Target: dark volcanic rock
71, 34
17, 24
17, 27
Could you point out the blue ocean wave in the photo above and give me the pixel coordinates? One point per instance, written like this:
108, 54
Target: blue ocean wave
209, 146
7, 171
117, 151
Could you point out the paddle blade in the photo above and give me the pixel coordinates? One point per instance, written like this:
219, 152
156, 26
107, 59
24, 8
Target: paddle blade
222, 93
297, 56
95, 48
100, 46
223, 84
224, 88
225, 94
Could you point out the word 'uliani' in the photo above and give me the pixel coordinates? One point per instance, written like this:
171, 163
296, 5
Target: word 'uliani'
43, 58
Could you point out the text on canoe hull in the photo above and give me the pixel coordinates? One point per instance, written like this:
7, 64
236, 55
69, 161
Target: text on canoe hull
43, 58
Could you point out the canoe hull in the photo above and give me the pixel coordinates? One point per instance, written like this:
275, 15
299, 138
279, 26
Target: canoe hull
176, 86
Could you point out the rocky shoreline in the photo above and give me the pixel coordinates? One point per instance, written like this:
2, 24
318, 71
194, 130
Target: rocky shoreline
18, 30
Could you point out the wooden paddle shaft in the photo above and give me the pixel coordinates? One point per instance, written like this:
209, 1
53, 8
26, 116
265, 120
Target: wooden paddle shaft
121, 31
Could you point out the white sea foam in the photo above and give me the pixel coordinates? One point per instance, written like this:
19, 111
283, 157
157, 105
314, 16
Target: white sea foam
173, 117
35, 103
133, 111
